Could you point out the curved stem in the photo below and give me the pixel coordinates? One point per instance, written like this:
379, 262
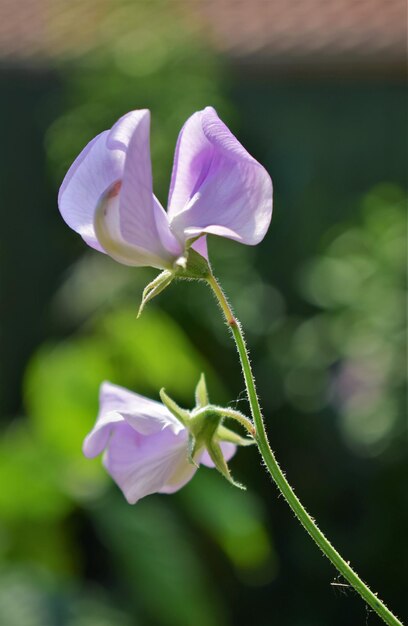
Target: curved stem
238, 417
272, 464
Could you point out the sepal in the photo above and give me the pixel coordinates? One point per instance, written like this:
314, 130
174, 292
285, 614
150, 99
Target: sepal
225, 434
182, 415
203, 426
153, 289
217, 457
193, 266
201, 393
207, 431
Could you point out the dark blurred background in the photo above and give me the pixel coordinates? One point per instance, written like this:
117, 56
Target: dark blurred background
316, 91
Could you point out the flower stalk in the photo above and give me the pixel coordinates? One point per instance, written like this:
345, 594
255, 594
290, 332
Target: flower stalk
278, 476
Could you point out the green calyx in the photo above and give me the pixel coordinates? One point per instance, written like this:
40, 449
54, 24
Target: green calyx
153, 289
193, 266
206, 430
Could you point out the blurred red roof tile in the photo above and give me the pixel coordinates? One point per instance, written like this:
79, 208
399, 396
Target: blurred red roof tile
280, 33
307, 31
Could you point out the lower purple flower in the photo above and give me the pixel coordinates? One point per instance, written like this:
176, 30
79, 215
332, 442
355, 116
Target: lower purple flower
145, 446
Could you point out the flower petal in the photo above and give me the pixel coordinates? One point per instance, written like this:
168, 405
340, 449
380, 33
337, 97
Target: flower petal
182, 474
92, 172
143, 222
228, 450
200, 246
217, 187
107, 227
99, 165
136, 227
142, 465
118, 405
97, 440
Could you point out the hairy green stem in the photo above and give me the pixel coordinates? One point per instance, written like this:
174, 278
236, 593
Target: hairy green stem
284, 487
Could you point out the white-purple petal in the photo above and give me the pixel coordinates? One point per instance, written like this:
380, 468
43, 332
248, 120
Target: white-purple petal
108, 230
134, 225
97, 440
141, 215
228, 451
143, 414
120, 405
217, 187
90, 175
94, 171
142, 465
200, 246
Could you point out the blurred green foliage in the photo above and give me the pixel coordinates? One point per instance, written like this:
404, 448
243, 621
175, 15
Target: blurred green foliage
171, 580
235, 523
30, 596
24, 470
351, 352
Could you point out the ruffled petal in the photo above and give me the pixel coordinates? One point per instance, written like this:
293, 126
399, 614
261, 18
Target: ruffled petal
118, 405
217, 187
142, 465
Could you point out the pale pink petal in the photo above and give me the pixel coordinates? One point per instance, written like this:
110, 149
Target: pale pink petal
166, 236
91, 174
143, 222
94, 171
141, 465
200, 246
182, 474
107, 195
97, 440
120, 405
228, 450
108, 230
217, 186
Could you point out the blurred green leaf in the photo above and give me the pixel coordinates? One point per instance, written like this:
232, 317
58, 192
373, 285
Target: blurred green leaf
22, 602
156, 556
235, 521
61, 396
153, 352
61, 390
29, 487
29, 596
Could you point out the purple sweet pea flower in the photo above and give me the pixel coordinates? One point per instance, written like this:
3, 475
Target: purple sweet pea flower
216, 188
146, 447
